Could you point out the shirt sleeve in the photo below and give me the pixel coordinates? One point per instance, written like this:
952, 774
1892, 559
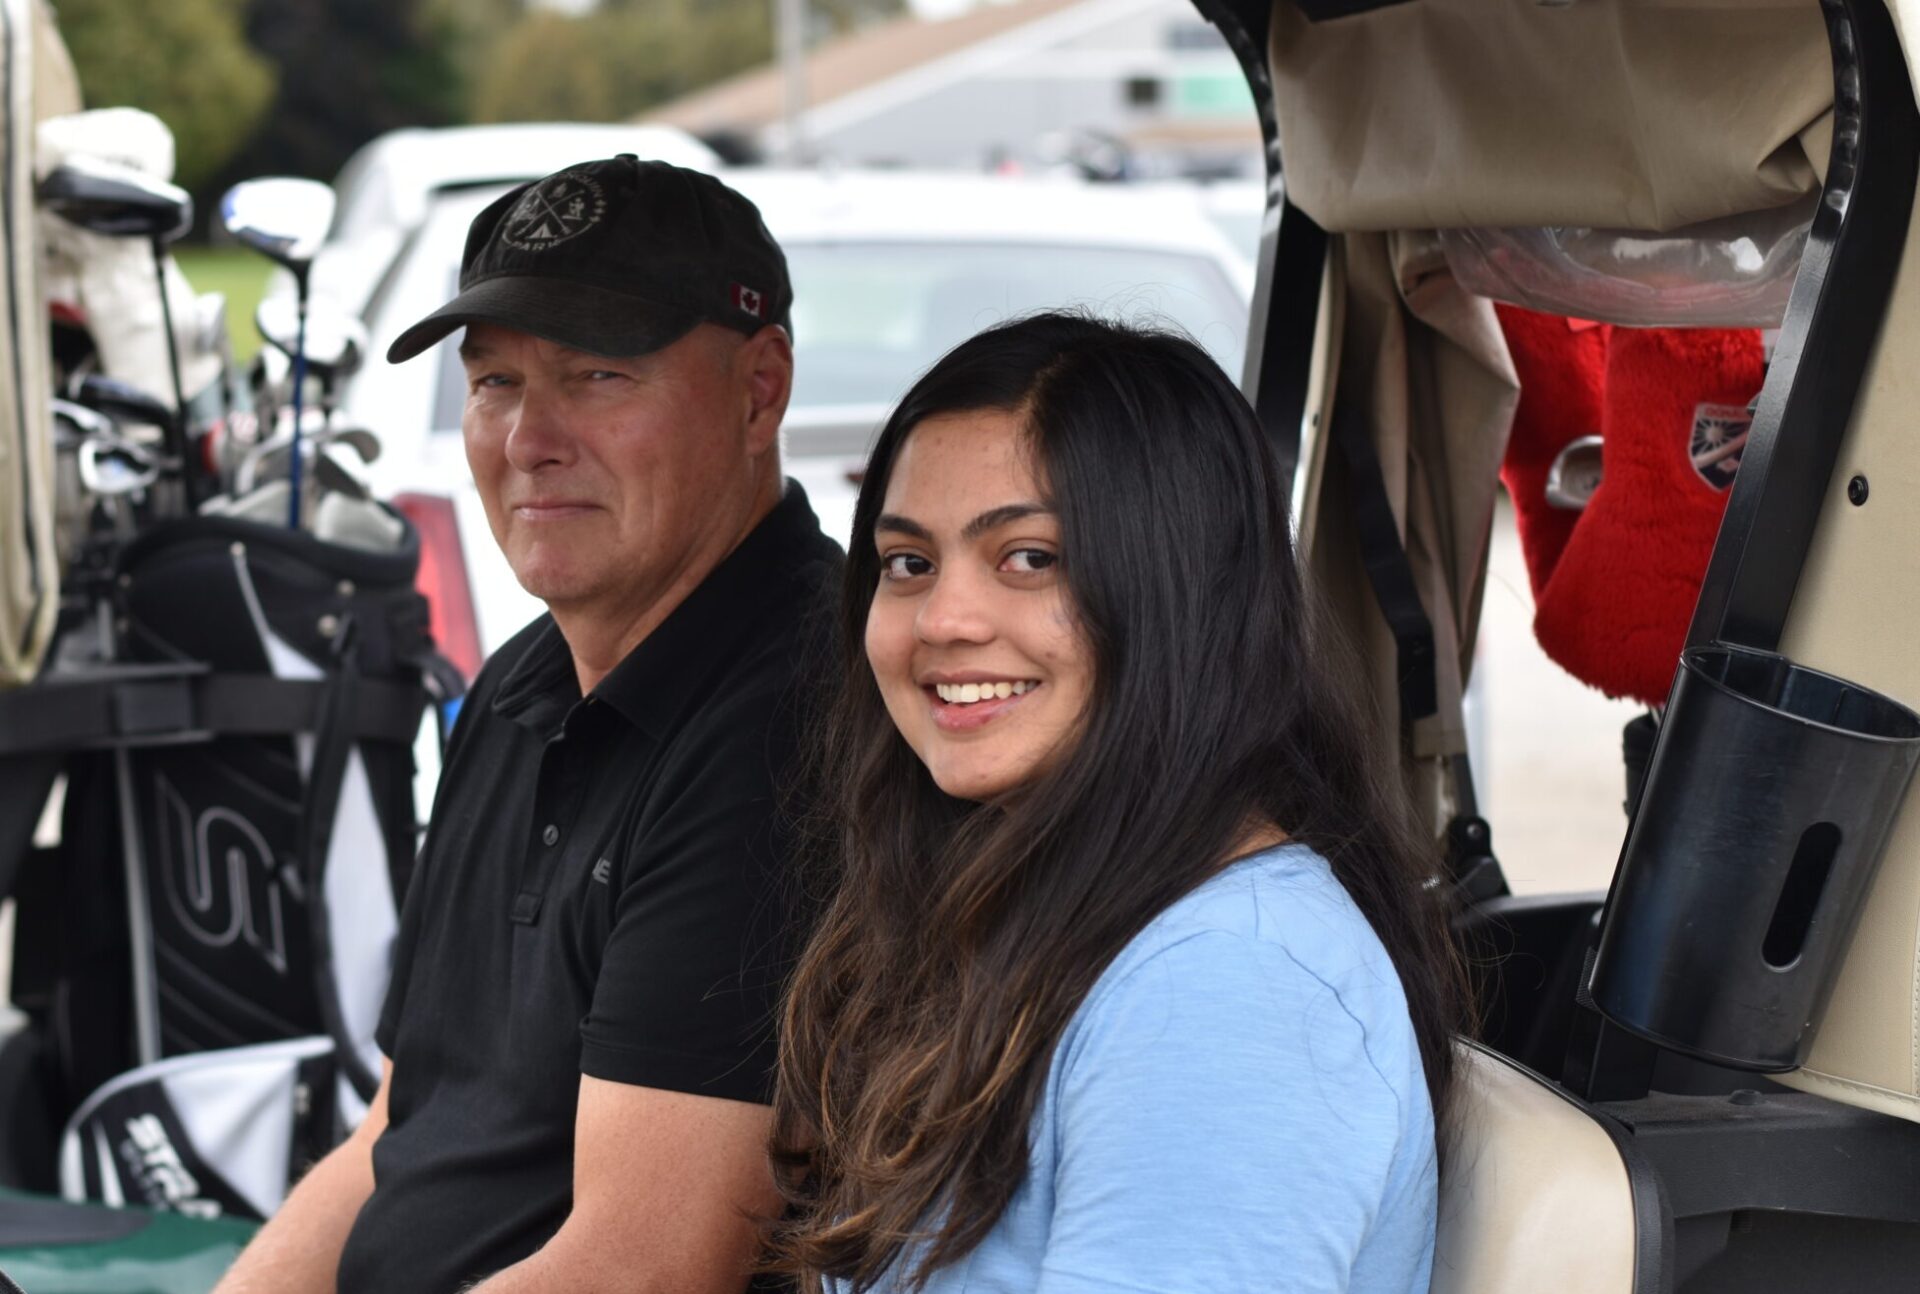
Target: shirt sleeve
702, 937
1220, 1126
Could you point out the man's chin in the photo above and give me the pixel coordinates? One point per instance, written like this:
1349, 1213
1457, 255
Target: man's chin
559, 589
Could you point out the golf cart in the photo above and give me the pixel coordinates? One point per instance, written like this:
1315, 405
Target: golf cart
1708, 1079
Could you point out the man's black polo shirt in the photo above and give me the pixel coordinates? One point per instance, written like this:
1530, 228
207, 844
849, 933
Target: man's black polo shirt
602, 892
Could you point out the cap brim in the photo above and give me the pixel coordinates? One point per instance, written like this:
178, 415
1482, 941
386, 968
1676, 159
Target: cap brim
579, 315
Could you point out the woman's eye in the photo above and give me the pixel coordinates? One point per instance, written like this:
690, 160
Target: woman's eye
1029, 560
903, 566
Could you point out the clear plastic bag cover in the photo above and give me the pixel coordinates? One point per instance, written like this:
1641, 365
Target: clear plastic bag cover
1735, 272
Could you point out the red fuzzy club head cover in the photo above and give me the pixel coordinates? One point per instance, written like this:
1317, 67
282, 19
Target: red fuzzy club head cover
1563, 374
1615, 584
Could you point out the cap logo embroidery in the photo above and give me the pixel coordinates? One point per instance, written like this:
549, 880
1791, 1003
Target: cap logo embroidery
746, 299
560, 207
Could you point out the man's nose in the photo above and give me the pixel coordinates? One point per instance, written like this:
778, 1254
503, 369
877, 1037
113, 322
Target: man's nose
538, 435
956, 610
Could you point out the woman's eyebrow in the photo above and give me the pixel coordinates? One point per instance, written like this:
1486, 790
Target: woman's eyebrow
903, 526
1000, 516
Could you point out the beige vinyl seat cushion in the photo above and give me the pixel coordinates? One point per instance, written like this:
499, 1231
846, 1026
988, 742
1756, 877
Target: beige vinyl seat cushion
1535, 1195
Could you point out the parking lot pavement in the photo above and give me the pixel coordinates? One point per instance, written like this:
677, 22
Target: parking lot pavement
1551, 774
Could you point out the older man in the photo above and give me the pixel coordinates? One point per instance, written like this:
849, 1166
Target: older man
580, 1031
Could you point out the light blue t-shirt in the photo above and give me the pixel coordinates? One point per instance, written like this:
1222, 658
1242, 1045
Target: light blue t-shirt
1238, 1105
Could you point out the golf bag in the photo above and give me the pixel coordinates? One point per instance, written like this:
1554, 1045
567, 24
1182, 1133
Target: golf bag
205, 953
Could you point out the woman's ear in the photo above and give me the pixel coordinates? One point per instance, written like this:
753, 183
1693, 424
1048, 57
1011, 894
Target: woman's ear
767, 358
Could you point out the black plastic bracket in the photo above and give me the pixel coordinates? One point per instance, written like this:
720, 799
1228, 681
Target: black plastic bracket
1833, 319
1780, 1191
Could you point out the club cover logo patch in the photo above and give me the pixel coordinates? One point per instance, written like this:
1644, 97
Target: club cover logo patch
1719, 437
558, 208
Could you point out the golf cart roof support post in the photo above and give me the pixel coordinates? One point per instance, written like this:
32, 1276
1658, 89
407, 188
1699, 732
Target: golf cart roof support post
1286, 311
1827, 340
1291, 264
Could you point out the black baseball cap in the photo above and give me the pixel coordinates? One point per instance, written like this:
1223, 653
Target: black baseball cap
617, 258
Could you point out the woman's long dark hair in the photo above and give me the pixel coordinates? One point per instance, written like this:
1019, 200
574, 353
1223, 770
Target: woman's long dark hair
961, 939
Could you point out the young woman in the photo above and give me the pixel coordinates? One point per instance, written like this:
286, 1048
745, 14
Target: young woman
1130, 984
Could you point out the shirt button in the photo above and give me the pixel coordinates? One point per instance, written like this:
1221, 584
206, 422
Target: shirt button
551, 835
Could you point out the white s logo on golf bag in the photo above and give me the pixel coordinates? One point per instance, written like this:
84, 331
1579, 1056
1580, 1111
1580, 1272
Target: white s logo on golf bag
220, 877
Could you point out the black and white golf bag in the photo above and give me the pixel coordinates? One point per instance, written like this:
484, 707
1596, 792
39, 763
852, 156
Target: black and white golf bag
205, 952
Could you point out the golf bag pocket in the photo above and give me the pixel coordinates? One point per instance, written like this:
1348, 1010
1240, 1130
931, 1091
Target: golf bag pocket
214, 1134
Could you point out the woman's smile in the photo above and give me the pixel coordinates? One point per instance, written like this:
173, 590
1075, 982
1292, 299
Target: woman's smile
969, 707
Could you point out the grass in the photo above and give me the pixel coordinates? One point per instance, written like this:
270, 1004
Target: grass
241, 276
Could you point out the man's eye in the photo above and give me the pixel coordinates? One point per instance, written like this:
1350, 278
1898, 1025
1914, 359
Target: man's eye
903, 566
1029, 560
602, 375
485, 380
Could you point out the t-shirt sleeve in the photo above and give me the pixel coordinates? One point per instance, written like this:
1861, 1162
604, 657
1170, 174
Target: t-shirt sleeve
1221, 1126
688, 989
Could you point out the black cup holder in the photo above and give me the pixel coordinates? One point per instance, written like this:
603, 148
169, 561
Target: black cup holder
1767, 804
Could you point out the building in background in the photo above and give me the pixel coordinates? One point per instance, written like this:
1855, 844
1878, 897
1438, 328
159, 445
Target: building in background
1143, 88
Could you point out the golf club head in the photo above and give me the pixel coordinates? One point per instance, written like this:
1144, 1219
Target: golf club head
332, 474
115, 200
1575, 474
359, 440
283, 219
73, 423
122, 401
110, 467
270, 460
257, 462
336, 341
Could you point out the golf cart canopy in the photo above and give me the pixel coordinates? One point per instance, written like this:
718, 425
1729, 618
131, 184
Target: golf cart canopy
1632, 114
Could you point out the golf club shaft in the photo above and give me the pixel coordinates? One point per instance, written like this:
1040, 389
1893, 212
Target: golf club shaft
299, 388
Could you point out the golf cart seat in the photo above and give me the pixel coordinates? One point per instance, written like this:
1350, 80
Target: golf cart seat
1539, 1192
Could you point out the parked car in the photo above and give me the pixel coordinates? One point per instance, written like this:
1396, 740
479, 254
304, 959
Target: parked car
890, 270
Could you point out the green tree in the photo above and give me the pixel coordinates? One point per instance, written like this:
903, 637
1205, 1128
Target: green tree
185, 61
348, 70
547, 67
629, 55
469, 31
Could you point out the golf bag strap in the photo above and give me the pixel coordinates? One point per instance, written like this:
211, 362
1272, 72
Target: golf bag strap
1467, 842
1388, 570
333, 743
168, 705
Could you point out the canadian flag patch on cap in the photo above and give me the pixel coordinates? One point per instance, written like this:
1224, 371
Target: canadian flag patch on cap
745, 298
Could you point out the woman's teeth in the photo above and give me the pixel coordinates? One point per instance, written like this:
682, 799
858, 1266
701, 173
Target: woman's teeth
968, 693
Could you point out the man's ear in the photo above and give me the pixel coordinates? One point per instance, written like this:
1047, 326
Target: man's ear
767, 359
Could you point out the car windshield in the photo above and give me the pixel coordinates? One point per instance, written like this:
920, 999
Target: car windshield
870, 317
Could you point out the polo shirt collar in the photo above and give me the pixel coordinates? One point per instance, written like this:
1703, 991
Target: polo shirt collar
542, 686
655, 681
